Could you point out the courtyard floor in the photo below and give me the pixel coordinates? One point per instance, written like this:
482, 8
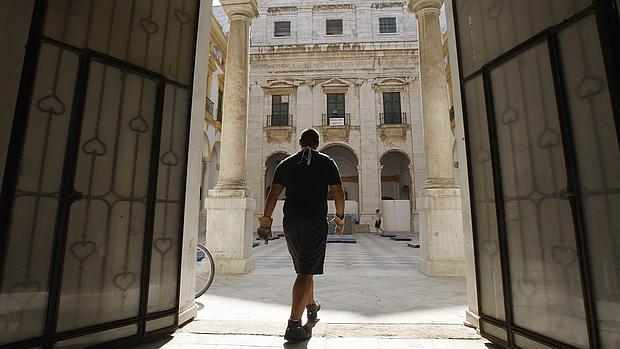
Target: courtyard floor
372, 296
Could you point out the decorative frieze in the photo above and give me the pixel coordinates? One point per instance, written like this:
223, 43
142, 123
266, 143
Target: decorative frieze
393, 133
382, 5
281, 9
332, 7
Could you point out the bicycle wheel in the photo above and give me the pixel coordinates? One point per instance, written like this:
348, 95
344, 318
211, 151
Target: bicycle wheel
205, 269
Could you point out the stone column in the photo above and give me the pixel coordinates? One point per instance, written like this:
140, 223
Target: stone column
439, 203
230, 204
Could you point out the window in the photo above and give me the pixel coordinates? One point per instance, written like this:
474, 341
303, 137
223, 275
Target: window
220, 99
333, 27
391, 108
387, 25
335, 106
281, 29
279, 111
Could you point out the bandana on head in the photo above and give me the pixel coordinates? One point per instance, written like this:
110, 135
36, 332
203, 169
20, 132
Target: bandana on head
306, 154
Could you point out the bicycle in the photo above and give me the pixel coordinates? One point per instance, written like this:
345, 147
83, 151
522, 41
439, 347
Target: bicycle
205, 269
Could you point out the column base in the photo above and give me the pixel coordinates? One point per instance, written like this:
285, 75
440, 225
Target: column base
472, 319
230, 225
234, 266
442, 268
441, 231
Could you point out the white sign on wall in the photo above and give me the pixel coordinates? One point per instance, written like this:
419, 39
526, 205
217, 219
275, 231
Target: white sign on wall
336, 121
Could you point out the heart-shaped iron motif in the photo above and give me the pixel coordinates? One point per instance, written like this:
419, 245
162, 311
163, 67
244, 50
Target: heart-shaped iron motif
182, 16
82, 250
510, 116
483, 155
170, 158
124, 280
490, 247
163, 245
526, 287
149, 26
589, 86
95, 147
548, 139
24, 292
138, 124
495, 9
563, 255
51, 104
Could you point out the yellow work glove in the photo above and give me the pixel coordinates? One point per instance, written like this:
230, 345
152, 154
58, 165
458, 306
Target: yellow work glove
339, 225
264, 230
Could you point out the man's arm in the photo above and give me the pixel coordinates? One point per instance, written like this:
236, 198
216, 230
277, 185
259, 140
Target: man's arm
339, 199
272, 199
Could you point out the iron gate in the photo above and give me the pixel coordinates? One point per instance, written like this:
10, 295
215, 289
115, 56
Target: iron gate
93, 194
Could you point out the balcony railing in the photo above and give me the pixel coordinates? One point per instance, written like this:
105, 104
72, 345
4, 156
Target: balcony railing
280, 120
210, 106
393, 118
336, 119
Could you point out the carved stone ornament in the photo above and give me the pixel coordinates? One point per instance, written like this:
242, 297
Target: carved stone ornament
279, 134
360, 82
311, 82
393, 133
335, 133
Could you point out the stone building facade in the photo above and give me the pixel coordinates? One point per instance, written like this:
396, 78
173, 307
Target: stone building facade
349, 70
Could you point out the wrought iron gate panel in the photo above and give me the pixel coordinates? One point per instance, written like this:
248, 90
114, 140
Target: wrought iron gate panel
545, 196
598, 165
92, 250
25, 273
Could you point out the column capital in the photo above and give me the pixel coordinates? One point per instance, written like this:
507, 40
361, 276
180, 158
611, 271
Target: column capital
245, 8
423, 5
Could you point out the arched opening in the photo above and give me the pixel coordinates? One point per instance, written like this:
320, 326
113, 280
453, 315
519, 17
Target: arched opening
270, 169
347, 163
396, 193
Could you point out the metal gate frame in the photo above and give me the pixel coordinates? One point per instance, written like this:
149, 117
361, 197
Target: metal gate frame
66, 195
608, 23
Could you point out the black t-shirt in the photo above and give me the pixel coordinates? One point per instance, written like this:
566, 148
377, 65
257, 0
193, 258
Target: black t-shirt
307, 184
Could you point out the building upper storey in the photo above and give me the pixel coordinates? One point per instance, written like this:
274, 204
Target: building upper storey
300, 22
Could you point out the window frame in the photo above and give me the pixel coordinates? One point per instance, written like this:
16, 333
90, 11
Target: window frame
383, 26
332, 22
391, 114
282, 115
277, 34
339, 106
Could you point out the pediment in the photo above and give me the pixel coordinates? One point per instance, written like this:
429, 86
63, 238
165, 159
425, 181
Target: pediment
280, 84
335, 83
391, 82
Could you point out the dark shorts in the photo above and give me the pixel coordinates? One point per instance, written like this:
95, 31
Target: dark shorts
306, 238
377, 224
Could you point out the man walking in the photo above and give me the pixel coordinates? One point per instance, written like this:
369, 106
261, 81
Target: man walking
306, 176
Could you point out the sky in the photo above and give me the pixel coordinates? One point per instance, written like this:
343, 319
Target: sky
216, 2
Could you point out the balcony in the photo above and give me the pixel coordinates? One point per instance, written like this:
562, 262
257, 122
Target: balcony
280, 120
393, 127
337, 119
393, 118
210, 107
336, 127
279, 128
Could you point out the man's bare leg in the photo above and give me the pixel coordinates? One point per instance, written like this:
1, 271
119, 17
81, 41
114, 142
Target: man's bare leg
301, 290
310, 298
